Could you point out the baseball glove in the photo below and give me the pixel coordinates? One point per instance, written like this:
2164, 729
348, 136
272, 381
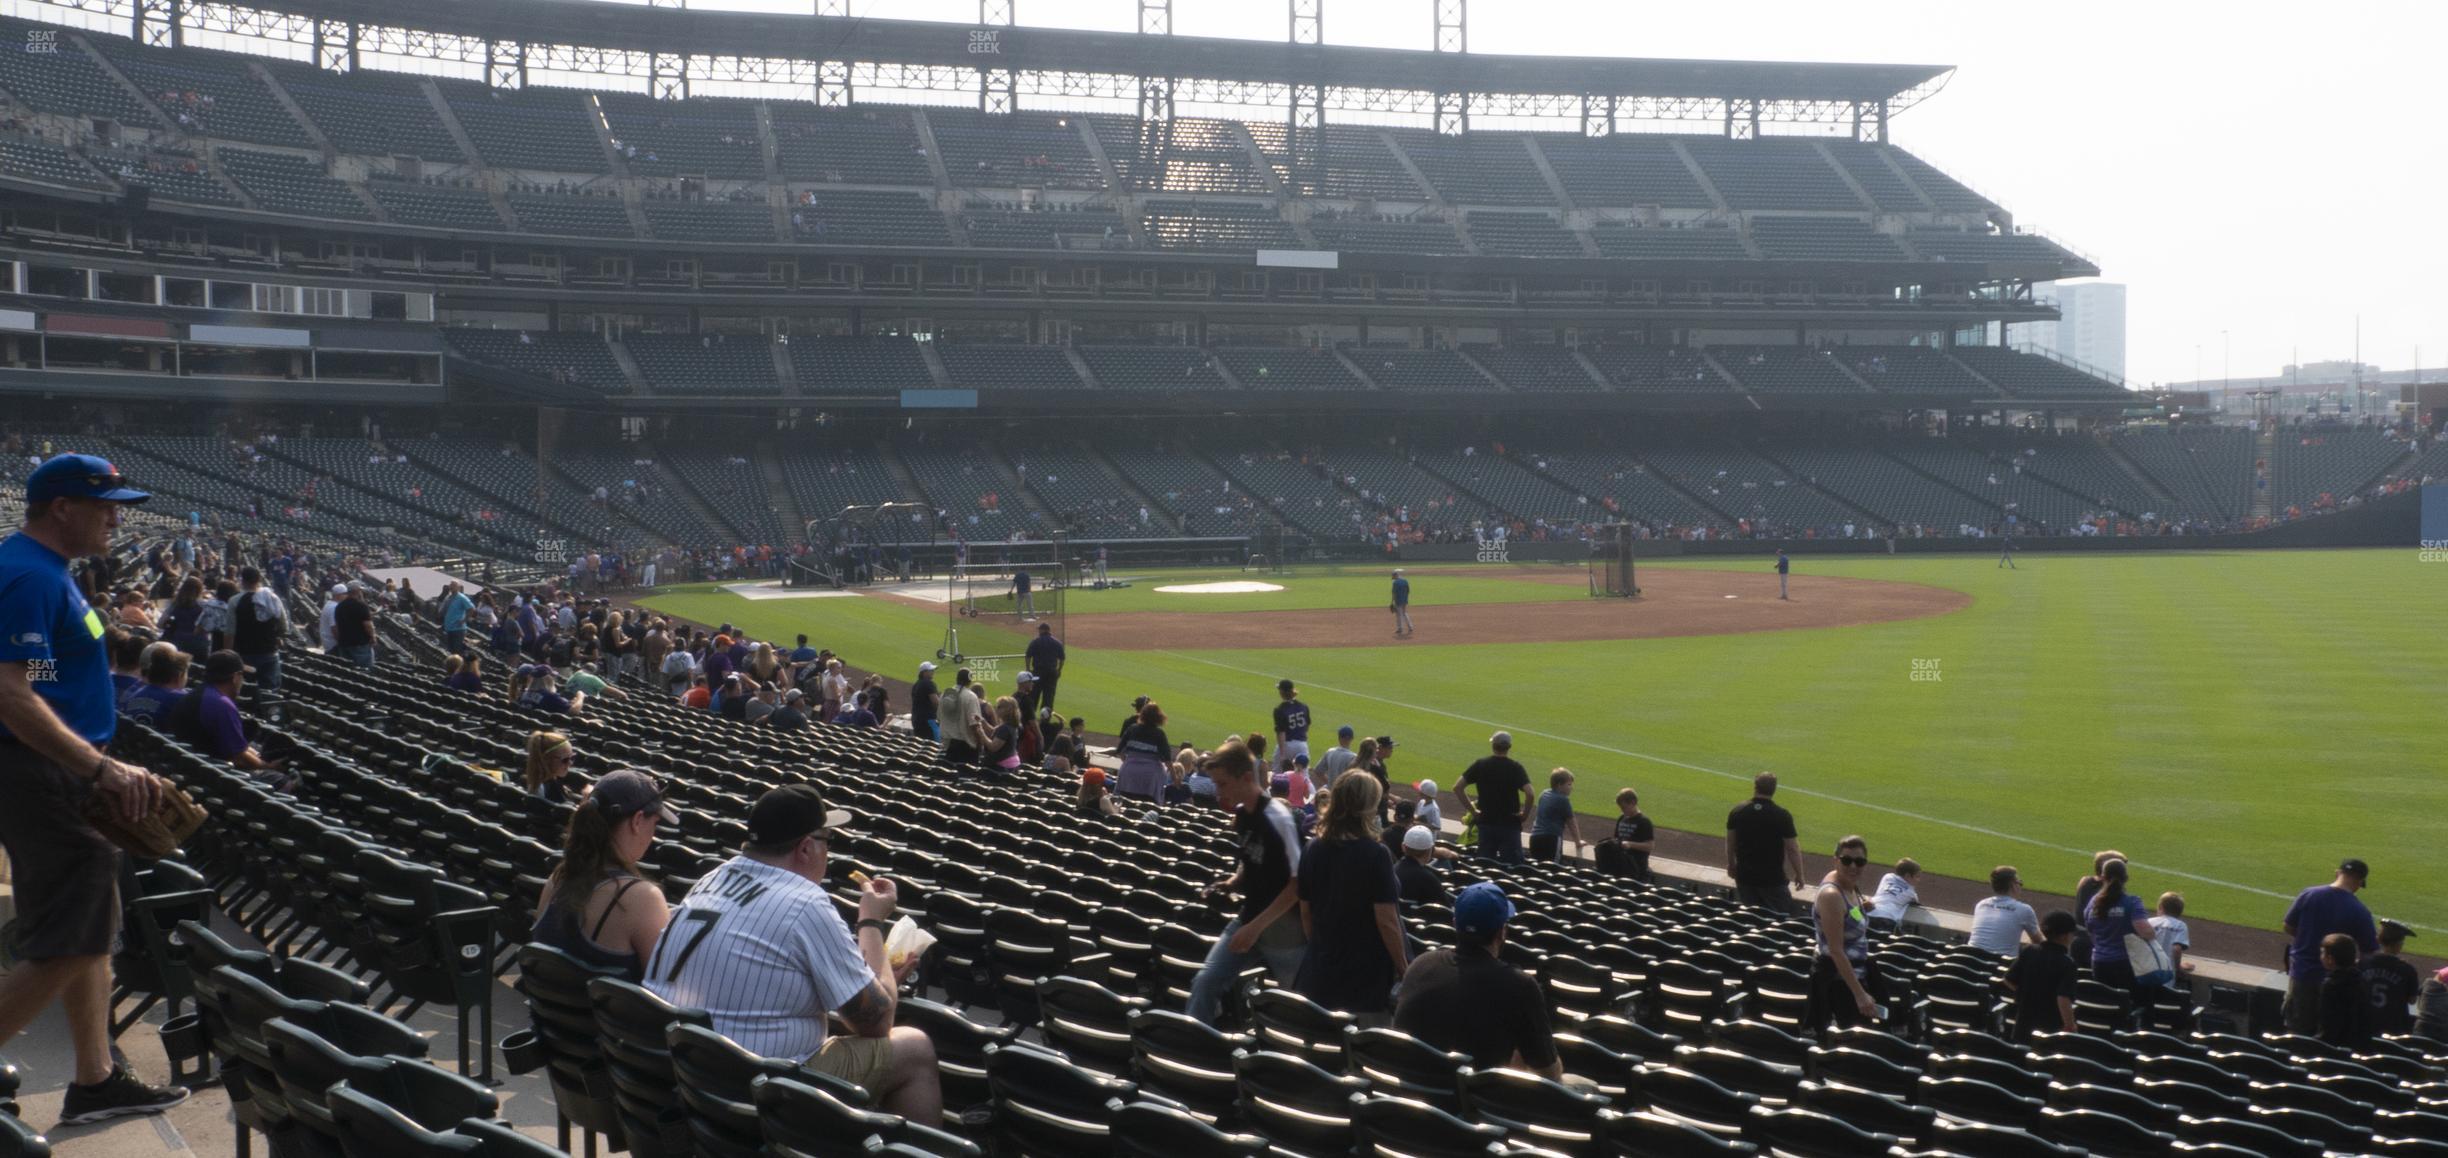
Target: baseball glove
1395, 610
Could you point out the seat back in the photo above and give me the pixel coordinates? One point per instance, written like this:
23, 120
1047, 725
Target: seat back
369, 1128
802, 1121
1296, 1105
1050, 1106
634, 1027
1647, 1135
1399, 1065
1148, 1130
1186, 1059
1548, 1113
1402, 1128
716, 1081
1287, 1022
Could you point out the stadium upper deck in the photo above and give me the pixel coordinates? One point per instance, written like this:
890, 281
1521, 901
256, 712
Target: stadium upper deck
793, 201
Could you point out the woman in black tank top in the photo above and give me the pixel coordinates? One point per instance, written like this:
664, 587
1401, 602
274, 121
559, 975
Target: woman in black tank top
608, 831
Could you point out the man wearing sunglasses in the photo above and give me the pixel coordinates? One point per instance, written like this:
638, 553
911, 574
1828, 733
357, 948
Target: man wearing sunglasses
56, 715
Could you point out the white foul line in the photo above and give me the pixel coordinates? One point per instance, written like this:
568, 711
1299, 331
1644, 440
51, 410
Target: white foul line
1718, 772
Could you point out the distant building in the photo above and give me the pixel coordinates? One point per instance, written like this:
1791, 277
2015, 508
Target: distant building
2092, 330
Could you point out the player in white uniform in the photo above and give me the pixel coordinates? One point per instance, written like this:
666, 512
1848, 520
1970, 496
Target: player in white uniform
759, 946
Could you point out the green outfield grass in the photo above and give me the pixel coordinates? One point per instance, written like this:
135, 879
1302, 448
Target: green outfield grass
2234, 722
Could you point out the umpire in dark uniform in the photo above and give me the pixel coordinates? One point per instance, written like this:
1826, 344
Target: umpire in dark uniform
56, 715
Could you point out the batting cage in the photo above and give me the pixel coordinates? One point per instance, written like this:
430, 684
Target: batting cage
1610, 562
1001, 593
863, 545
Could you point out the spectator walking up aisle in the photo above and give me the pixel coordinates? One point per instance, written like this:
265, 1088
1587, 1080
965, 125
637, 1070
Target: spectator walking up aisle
1264, 929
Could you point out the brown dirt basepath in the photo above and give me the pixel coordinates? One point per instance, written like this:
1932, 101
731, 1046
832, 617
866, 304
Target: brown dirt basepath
1672, 602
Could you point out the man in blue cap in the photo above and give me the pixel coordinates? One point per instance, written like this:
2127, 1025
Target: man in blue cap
56, 715
1468, 1000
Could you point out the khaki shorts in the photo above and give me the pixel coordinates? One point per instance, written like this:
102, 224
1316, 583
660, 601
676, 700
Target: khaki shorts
864, 1060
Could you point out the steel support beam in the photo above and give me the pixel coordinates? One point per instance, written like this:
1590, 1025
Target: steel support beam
1308, 21
1156, 17
833, 90
1452, 25
998, 13
1597, 116
667, 76
506, 64
157, 23
1305, 136
335, 45
833, 7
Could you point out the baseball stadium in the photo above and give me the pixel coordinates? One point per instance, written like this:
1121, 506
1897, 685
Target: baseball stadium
645, 420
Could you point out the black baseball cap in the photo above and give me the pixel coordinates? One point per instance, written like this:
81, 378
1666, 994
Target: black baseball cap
1283, 685
625, 793
792, 813
2394, 930
2353, 866
223, 664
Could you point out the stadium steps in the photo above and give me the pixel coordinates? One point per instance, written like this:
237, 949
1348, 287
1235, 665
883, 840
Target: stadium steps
628, 365
1971, 372
212, 168
1943, 484
1476, 364
1079, 366
934, 363
280, 96
784, 372
527, 507
1666, 478
2150, 484
1701, 177
109, 67
2265, 451
1828, 158
934, 153
1435, 195
1105, 169
1159, 511
1485, 503
550, 474
1343, 356
1555, 184
905, 478
1264, 168
450, 122
679, 483
477, 537
1591, 368
1888, 159
1805, 481
769, 149
1009, 481
768, 459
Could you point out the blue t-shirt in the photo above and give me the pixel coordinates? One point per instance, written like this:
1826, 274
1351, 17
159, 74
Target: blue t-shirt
1784, 565
803, 654
46, 625
147, 702
1020, 582
2108, 933
1402, 591
1045, 656
455, 611
2317, 912
1554, 815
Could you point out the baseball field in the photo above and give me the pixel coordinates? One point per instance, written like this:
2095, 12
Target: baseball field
2234, 722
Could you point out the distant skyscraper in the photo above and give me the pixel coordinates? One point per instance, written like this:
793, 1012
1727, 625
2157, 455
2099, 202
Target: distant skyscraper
2092, 331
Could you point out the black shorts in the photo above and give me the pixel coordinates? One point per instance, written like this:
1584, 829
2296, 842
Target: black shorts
67, 875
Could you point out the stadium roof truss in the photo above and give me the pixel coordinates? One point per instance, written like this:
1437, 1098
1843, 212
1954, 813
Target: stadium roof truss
832, 60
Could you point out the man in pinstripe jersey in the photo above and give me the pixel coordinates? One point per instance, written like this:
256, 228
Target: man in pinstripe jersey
759, 945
